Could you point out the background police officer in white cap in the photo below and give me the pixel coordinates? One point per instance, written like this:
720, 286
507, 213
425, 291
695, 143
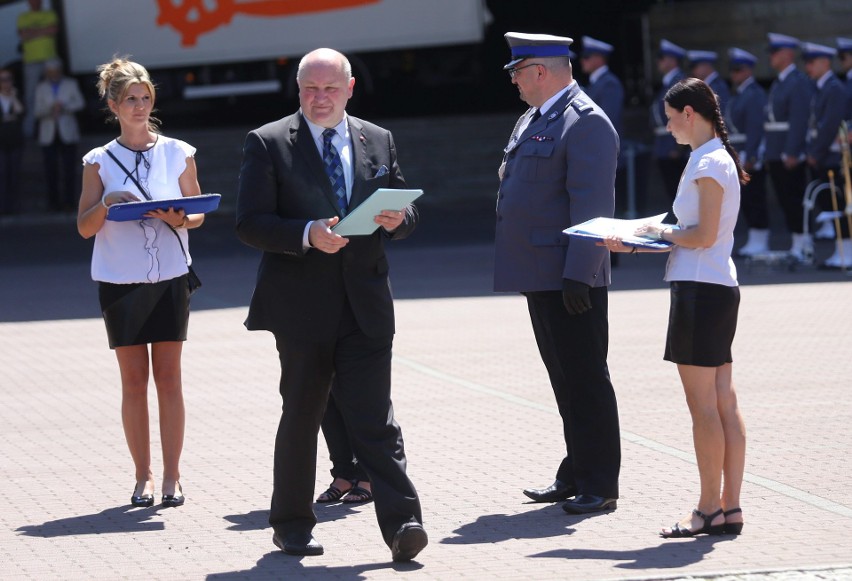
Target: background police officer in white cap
744, 118
828, 109
670, 157
559, 170
702, 65
844, 55
786, 126
604, 87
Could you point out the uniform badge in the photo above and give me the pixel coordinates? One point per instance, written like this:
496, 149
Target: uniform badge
541, 138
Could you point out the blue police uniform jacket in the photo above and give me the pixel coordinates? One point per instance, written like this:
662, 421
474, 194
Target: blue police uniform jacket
828, 109
559, 172
608, 92
744, 118
849, 99
664, 143
722, 90
787, 111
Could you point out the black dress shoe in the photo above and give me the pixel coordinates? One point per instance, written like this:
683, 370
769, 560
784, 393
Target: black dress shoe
409, 540
553, 493
142, 500
298, 544
586, 503
171, 500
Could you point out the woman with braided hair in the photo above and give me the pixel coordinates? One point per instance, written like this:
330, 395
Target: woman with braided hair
705, 299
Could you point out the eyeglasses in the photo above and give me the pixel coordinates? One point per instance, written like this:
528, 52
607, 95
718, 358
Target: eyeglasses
514, 70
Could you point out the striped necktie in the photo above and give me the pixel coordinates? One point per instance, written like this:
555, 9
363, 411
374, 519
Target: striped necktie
334, 170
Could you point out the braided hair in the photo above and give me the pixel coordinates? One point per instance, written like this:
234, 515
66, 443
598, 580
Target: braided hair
698, 95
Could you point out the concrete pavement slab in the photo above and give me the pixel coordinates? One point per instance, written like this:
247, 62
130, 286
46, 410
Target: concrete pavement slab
480, 424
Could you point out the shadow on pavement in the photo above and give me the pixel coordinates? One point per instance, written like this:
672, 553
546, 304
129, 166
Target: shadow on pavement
121, 519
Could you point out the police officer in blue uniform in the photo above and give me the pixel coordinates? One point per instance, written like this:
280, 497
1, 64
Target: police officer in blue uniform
744, 118
828, 109
702, 65
607, 91
786, 126
604, 87
559, 170
670, 157
844, 55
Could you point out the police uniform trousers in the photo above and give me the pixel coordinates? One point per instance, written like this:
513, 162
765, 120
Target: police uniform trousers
358, 368
789, 185
753, 200
574, 351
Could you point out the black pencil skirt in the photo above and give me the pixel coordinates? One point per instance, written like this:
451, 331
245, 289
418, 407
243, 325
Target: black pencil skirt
702, 323
142, 313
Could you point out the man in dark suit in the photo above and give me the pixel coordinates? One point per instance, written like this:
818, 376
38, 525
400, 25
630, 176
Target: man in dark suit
327, 299
559, 170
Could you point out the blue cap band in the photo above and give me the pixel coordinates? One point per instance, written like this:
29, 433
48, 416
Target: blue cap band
539, 50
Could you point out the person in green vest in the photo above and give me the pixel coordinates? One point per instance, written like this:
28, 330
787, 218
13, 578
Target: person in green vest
37, 29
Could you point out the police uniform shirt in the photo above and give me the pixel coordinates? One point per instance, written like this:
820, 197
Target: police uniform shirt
664, 143
720, 87
827, 112
787, 113
607, 91
744, 117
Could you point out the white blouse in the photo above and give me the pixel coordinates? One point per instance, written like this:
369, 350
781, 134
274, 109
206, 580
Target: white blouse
713, 264
141, 251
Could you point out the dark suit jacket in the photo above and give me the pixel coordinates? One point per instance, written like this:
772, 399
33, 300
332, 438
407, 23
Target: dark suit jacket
282, 187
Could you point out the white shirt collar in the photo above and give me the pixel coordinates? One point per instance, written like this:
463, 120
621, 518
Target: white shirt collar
824, 79
745, 84
786, 72
711, 77
597, 74
549, 103
667, 78
341, 128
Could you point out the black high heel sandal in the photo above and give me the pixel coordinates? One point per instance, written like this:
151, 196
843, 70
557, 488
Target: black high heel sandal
679, 531
733, 528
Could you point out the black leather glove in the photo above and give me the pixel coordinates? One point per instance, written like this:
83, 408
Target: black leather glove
575, 296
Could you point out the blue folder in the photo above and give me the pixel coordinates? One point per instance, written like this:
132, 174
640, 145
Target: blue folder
127, 211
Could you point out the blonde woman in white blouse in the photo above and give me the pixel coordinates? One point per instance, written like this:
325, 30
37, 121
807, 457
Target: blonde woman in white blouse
141, 268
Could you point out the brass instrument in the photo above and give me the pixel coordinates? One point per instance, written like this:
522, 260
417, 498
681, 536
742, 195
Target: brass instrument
834, 205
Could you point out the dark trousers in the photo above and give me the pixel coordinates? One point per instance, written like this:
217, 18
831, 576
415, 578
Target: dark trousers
574, 350
789, 186
343, 462
360, 369
10, 179
753, 201
61, 158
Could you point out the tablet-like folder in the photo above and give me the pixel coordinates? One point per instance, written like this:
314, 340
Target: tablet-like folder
127, 211
360, 222
600, 228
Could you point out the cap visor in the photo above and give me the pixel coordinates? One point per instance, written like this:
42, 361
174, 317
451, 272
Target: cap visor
513, 63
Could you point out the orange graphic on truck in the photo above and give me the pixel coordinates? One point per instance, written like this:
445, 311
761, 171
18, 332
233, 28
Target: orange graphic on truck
192, 18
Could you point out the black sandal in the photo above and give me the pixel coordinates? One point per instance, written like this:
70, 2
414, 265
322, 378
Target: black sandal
679, 531
333, 493
733, 528
358, 495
